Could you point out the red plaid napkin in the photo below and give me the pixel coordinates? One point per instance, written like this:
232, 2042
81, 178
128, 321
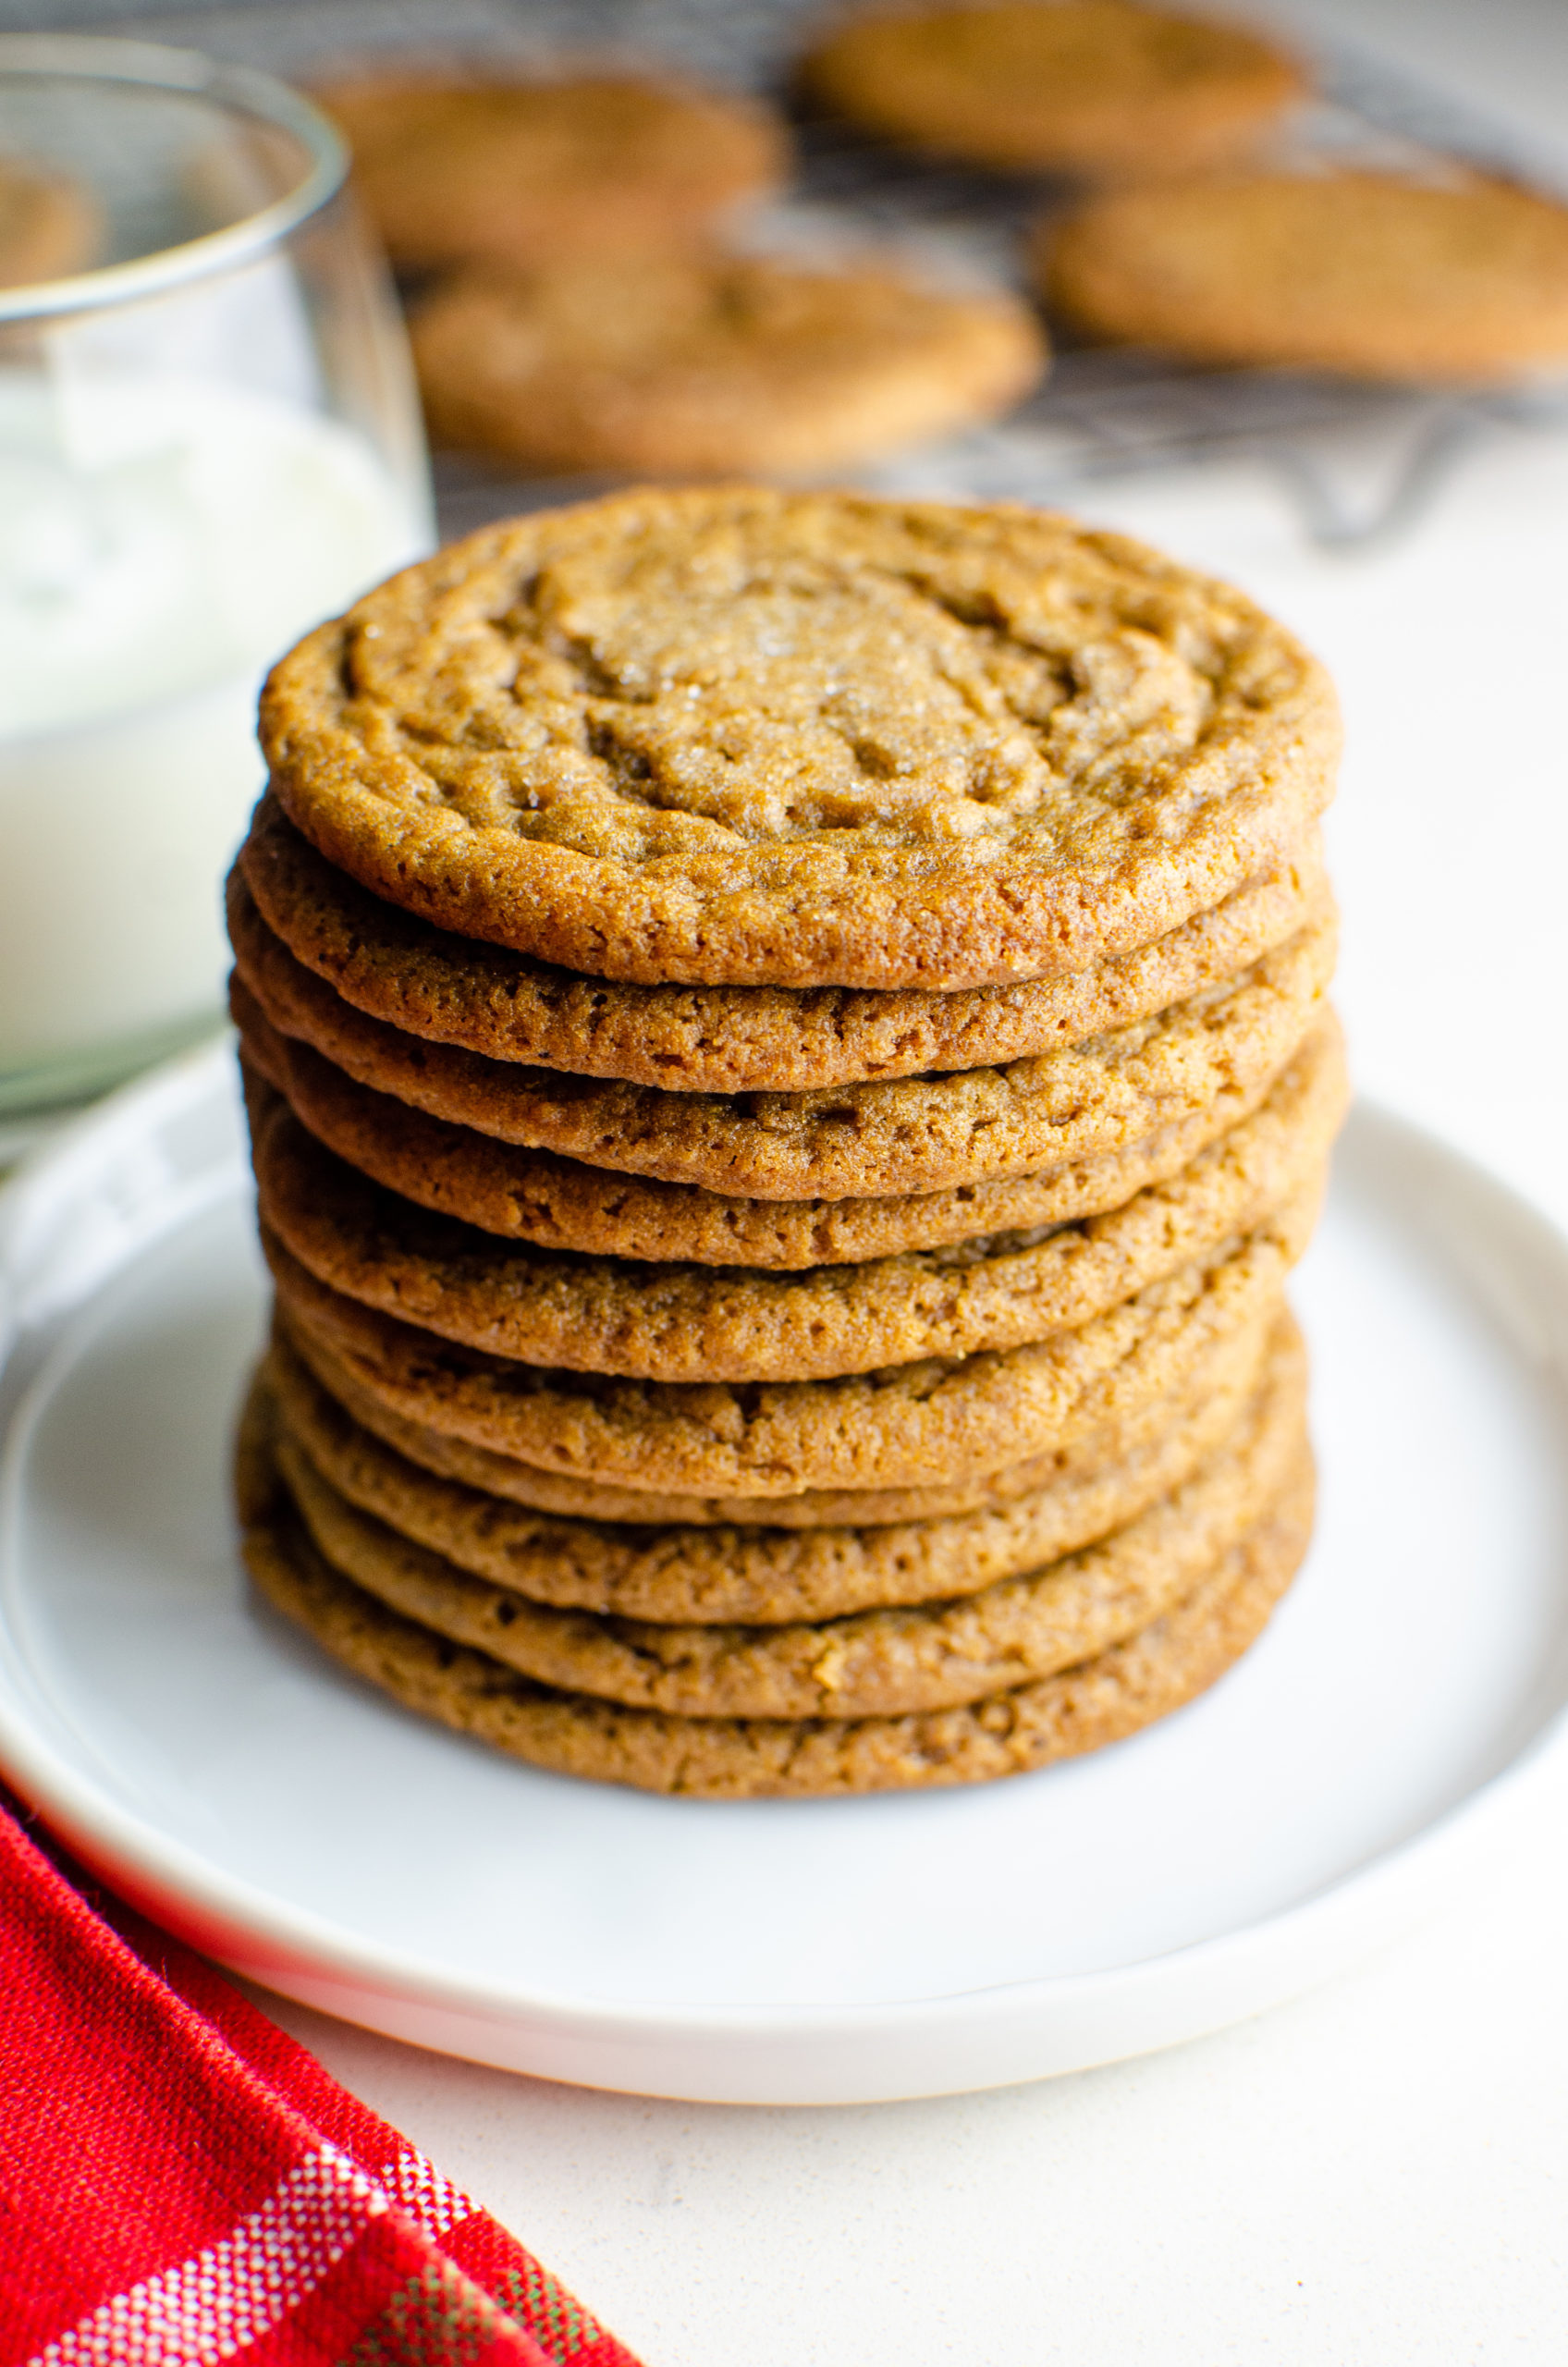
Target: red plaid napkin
181, 2184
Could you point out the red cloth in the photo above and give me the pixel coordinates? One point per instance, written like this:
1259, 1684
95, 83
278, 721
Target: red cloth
181, 2184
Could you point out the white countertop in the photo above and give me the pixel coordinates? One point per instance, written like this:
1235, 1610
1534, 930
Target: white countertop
1375, 2173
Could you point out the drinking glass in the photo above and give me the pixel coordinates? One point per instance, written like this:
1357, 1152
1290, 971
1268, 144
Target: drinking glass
209, 441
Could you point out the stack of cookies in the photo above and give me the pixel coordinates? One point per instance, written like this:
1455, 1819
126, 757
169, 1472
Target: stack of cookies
788, 1067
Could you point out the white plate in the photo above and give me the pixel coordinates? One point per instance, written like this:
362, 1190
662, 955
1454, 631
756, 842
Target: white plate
1405, 1701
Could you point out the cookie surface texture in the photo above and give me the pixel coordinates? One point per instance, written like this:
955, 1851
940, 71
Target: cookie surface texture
456, 171
685, 1323
1058, 1717
714, 366
741, 737
1357, 271
721, 1039
1088, 85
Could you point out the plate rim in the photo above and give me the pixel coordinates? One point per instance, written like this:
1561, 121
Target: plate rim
300, 1951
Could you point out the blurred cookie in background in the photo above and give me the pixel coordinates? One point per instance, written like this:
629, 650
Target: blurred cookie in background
49, 225
1373, 274
1079, 86
698, 366
465, 169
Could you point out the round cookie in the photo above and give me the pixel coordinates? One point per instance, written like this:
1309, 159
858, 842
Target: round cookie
738, 737
721, 1039
714, 366
876, 1664
49, 225
1084, 85
532, 1195
904, 1134
1224, 1366
758, 1576
685, 1323
458, 168
907, 1425
1053, 1718
1358, 271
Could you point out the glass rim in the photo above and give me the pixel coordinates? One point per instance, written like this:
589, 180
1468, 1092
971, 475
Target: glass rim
190, 73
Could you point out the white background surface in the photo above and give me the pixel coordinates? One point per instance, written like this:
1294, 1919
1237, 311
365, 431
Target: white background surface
1375, 2174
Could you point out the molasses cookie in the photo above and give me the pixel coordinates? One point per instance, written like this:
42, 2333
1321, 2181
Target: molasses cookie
907, 1425
1084, 86
466, 169
49, 225
1359, 272
698, 1323
721, 1039
714, 366
873, 1663
761, 1574
902, 1135
1052, 1718
737, 737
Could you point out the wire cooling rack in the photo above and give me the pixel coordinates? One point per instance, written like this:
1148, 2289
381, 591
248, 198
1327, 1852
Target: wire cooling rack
1357, 463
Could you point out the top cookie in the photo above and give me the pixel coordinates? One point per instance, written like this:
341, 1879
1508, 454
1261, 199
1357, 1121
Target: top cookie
459, 170
1080, 85
738, 737
1361, 272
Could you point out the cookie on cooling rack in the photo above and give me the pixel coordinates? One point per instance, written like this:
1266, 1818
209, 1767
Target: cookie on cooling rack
49, 225
695, 367
1095, 86
460, 169
1462, 282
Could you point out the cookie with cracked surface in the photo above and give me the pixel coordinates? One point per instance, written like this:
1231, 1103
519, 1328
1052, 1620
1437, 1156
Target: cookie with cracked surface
905, 1134
714, 366
1364, 272
1095, 86
1226, 1367
49, 224
741, 737
721, 1039
755, 1575
532, 1196
1051, 1718
700, 1323
457, 169
908, 1426
873, 1663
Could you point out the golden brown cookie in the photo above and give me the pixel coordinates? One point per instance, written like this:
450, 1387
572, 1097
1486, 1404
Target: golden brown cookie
49, 224
1055, 1717
897, 1135
457, 168
686, 1323
1096, 86
907, 1425
532, 1196
738, 737
721, 1039
761, 1574
874, 1663
1359, 272
1225, 1367
719, 365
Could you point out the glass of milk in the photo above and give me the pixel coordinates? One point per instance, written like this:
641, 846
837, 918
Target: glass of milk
209, 441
